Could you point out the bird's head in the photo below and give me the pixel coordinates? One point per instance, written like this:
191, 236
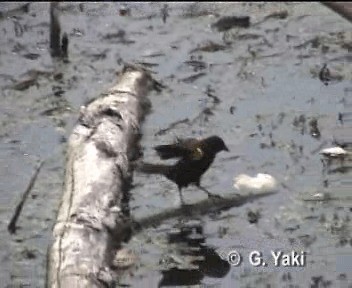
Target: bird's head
216, 144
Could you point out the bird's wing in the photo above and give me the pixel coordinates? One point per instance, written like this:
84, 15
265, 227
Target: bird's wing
183, 148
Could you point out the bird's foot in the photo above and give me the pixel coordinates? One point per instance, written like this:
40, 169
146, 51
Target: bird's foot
210, 195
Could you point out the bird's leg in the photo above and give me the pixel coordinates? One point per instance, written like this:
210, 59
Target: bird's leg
210, 195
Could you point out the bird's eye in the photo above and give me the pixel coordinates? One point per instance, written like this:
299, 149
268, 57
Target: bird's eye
197, 154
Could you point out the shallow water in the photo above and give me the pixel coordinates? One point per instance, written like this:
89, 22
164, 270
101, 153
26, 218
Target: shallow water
270, 81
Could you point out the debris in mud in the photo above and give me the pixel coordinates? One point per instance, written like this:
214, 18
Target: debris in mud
119, 34
30, 80
196, 10
24, 84
98, 56
318, 281
334, 152
209, 47
307, 240
269, 55
324, 74
299, 122
278, 15
228, 22
253, 216
76, 32
204, 115
247, 36
19, 29
344, 117
315, 43
192, 78
347, 46
118, 37
157, 86
210, 93
124, 11
171, 126
29, 253
280, 118
196, 64
154, 55
31, 56
58, 91
335, 74
314, 130
330, 155
266, 145
275, 15
147, 64
316, 196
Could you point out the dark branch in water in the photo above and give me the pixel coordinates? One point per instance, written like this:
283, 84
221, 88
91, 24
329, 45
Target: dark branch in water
12, 225
55, 31
58, 45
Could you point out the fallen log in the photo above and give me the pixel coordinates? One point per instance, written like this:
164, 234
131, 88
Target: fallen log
342, 8
91, 220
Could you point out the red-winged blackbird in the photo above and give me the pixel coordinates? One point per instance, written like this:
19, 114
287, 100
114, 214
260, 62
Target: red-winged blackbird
195, 156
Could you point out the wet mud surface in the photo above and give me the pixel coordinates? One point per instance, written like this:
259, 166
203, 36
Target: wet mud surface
258, 82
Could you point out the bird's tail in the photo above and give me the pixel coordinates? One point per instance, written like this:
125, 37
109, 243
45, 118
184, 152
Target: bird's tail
169, 151
150, 168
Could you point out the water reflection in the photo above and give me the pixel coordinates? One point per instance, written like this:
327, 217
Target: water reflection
198, 259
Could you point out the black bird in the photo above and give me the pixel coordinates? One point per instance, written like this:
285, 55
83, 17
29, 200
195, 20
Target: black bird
195, 155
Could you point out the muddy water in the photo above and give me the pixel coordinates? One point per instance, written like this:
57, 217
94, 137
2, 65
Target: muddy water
266, 80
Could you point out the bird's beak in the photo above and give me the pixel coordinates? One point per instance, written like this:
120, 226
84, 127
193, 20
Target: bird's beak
226, 149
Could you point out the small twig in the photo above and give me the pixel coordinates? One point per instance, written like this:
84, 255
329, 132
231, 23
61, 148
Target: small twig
275, 15
192, 78
171, 126
12, 225
205, 112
